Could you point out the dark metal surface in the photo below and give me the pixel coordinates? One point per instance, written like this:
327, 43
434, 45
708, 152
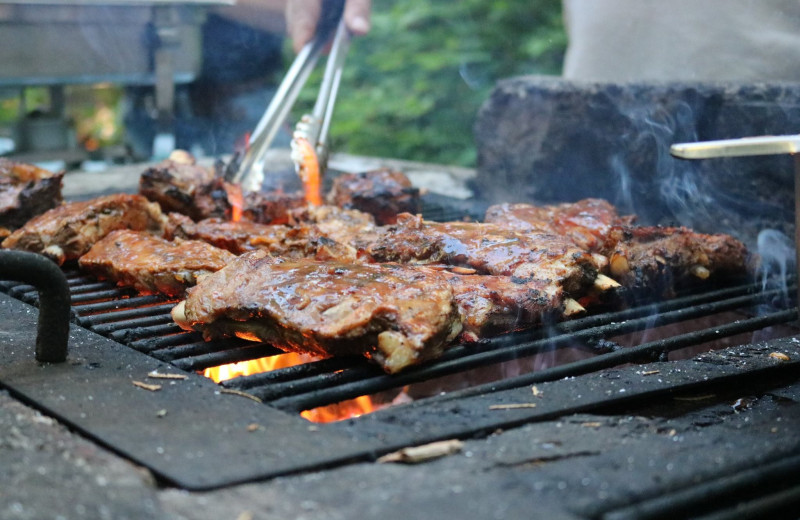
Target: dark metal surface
188, 432
53, 298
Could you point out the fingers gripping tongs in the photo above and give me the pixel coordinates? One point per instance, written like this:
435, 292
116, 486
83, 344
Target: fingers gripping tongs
310, 139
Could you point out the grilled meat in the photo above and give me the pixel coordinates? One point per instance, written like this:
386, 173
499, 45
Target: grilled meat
151, 264
383, 193
69, 231
491, 304
487, 248
26, 191
179, 184
271, 207
586, 222
395, 315
657, 259
301, 241
345, 226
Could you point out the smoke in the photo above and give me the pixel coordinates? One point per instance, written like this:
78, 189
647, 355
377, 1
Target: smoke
777, 253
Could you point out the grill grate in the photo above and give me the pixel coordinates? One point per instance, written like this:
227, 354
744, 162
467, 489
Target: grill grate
144, 324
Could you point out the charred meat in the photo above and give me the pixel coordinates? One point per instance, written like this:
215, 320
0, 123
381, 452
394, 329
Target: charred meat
586, 222
383, 193
70, 230
151, 264
657, 259
26, 191
179, 184
487, 248
272, 207
301, 241
395, 315
491, 304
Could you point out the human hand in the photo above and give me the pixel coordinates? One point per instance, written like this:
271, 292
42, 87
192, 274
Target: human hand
302, 17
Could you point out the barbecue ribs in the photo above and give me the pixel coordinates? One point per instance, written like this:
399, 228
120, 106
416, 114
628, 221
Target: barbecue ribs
151, 264
396, 315
26, 191
487, 248
660, 259
68, 231
586, 222
383, 193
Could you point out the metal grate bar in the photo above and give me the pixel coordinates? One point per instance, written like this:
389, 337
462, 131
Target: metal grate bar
117, 304
149, 345
214, 359
644, 352
314, 368
139, 333
126, 314
205, 347
146, 321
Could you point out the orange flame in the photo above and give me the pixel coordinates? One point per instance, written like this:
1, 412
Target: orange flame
236, 199
309, 171
334, 412
256, 366
340, 411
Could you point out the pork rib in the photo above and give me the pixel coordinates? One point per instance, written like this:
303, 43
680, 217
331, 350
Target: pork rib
487, 248
70, 230
151, 264
396, 315
586, 222
657, 259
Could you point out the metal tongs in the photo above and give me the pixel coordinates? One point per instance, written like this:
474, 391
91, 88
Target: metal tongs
312, 128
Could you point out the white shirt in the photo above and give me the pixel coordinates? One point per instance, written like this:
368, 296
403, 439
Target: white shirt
683, 40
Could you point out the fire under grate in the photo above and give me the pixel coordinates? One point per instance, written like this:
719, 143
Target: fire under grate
144, 324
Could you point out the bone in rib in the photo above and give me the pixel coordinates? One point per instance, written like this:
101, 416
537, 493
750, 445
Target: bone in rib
70, 230
396, 315
151, 264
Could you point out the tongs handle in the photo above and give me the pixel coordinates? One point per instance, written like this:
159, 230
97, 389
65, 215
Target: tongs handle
251, 167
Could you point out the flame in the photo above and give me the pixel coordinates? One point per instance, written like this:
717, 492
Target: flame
340, 411
308, 170
256, 366
334, 412
236, 199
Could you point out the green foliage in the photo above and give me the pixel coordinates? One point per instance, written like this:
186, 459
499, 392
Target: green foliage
412, 86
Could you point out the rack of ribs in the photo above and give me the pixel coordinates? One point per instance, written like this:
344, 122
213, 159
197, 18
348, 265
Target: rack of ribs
488, 249
396, 315
70, 230
151, 264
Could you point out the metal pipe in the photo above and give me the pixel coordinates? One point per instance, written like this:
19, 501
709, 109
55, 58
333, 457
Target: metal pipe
54, 300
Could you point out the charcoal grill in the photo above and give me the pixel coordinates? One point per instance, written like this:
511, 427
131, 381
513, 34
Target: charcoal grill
181, 431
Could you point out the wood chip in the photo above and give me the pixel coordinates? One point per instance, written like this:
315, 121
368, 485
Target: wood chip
415, 454
536, 392
512, 406
651, 372
158, 375
240, 394
592, 424
152, 388
780, 356
253, 427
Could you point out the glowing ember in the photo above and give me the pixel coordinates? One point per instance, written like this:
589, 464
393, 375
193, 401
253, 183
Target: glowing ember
256, 366
307, 164
236, 199
340, 411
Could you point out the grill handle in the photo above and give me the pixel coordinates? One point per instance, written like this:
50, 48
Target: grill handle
54, 300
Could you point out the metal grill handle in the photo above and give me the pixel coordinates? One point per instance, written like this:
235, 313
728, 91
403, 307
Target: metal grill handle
54, 300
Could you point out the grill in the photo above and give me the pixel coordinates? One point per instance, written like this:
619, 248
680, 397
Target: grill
119, 337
